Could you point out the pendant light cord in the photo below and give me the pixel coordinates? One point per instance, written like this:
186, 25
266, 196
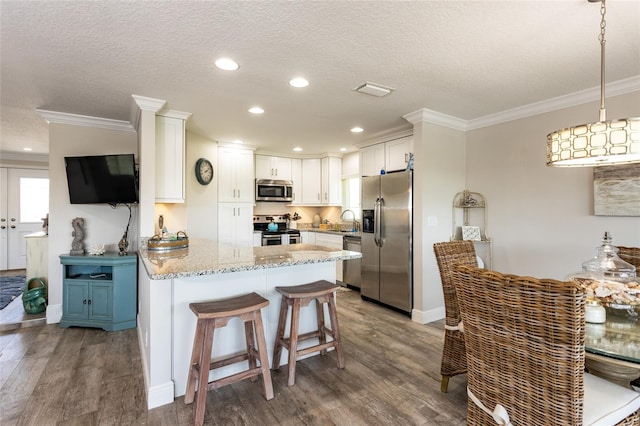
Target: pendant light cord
603, 24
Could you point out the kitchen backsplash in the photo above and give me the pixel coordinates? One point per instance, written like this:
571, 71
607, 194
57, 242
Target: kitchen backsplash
332, 214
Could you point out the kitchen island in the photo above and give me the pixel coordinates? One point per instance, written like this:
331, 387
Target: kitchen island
206, 270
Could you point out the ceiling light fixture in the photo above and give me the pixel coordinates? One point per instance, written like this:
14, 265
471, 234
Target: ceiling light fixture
600, 143
27, 149
256, 110
297, 149
238, 141
357, 130
227, 64
298, 82
374, 89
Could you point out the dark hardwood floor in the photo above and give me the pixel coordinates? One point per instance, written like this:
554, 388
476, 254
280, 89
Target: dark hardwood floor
82, 376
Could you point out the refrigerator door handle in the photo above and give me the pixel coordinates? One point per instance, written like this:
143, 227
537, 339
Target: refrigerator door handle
376, 222
381, 222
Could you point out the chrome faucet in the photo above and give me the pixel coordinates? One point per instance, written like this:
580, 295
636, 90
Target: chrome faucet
354, 222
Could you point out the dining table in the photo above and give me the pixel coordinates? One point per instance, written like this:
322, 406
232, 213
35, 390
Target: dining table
612, 349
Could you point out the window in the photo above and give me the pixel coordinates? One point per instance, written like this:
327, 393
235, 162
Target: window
351, 196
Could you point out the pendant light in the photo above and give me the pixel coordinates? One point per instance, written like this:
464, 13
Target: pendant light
605, 142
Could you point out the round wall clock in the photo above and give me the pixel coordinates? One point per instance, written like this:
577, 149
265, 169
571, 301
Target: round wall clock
204, 171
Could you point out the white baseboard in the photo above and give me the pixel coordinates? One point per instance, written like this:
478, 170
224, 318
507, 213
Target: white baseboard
54, 314
156, 395
424, 317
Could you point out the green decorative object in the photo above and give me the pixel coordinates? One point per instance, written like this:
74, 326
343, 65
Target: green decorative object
34, 297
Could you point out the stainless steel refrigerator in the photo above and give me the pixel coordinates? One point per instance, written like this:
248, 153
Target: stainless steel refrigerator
387, 240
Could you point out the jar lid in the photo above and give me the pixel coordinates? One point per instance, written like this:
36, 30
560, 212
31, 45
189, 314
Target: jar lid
607, 263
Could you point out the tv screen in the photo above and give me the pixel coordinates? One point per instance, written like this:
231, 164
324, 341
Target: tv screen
107, 179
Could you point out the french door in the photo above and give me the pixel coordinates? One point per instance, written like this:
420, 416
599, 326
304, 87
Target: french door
24, 202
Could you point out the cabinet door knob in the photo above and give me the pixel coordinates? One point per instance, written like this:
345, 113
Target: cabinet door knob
3, 227
13, 227
89, 301
84, 302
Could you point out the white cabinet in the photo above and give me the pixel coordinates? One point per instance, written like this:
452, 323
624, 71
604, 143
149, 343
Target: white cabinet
331, 177
170, 156
308, 237
257, 238
277, 168
311, 181
397, 153
333, 241
321, 181
235, 175
372, 160
390, 156
235, 223
296, 178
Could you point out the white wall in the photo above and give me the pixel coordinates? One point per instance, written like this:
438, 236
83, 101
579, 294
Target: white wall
438, 175
103, 224
541, 218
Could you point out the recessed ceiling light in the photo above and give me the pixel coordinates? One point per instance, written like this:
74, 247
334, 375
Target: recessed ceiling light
343, 149
227, 64
297, 149
27, 149
256, 110
357, 130
238, 141
298, 82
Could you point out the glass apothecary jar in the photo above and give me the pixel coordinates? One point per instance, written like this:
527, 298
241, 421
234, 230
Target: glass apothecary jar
608, 281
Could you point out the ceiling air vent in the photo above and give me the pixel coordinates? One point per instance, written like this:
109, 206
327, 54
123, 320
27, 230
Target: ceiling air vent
374, 89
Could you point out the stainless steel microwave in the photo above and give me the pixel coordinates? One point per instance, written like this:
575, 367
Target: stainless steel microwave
274, 190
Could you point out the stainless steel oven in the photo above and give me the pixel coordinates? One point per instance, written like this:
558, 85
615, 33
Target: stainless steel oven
271, 239
294, 238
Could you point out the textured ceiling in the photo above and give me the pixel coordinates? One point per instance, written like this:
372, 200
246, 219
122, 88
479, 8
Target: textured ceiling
466, 59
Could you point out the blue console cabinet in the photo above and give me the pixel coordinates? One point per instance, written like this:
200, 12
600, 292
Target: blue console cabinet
99, 291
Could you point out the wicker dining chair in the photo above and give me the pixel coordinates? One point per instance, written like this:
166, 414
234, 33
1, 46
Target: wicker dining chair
525, 354
630, 255
448, 254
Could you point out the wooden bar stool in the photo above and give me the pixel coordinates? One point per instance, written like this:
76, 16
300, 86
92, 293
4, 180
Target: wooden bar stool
297, 297
216, 314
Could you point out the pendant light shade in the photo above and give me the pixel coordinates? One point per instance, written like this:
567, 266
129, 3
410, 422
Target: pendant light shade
605, 142
595, 144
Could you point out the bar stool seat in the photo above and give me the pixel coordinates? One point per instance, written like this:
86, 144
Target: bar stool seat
301, 296
216, 314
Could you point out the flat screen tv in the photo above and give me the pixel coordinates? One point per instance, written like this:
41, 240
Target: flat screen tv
109, 179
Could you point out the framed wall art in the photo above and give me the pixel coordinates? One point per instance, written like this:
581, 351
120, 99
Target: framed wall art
616, 190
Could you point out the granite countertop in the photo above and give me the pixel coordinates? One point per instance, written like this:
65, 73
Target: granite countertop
205, 257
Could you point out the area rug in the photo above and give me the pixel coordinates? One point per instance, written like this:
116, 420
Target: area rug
10, 288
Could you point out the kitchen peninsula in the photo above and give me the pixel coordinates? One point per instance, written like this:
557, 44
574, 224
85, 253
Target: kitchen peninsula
206, 270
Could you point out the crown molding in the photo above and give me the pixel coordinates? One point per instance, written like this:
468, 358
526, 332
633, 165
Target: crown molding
85, 120
148, 104
390, 135
174, 114
8, 157
617, 88
436, 117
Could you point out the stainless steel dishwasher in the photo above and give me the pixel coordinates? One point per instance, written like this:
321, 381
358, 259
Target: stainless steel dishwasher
351, 268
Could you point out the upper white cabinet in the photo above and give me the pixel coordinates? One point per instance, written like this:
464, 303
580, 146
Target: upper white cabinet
276, 168
397, 153
321, 181
390, 156
311, 181
296, 178
170, 157
372, 159
235, 175
331, 178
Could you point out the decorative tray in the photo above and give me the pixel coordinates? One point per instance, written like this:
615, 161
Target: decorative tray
158, 243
